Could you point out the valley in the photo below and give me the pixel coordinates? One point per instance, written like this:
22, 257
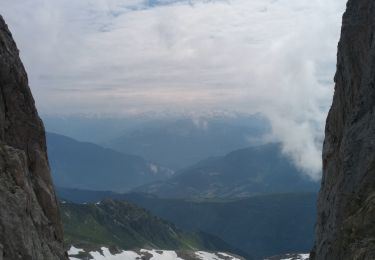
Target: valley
259, 226
256, 170
187, 130
252, 202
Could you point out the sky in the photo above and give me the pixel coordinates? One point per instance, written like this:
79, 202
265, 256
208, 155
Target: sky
121, 57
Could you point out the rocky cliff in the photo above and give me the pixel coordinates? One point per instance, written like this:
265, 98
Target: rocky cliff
346, 206
30, 225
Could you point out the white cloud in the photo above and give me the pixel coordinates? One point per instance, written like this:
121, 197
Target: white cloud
275, 57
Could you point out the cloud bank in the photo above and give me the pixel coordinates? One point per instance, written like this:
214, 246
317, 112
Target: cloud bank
274, 57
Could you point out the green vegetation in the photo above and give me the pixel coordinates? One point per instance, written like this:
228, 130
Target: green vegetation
121, 224
261, 225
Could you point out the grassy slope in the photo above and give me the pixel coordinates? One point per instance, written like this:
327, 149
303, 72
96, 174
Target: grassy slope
261, 225
115, 223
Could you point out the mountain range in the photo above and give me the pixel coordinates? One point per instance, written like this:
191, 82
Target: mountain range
251, 171
253, 198
179, 143
261, 223
86, 165
242, 173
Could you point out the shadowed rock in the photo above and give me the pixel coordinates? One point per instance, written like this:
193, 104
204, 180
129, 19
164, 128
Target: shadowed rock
30, 225
346, 206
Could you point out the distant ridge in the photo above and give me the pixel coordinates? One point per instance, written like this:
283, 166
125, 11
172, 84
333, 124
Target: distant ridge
242, 173
86, 165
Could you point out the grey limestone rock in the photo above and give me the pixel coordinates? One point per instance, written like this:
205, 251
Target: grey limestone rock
30, 226
346, 207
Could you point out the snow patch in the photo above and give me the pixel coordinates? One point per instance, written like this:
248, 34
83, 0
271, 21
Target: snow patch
154, 168
298, 257
228, 256
74, 251
105, 254
211, 256
162, 255
125, 255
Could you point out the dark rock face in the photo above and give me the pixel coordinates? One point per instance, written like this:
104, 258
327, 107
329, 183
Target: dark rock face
30, 225
346, 207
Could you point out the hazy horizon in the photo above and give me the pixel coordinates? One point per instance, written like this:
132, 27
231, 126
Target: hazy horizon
133, 57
